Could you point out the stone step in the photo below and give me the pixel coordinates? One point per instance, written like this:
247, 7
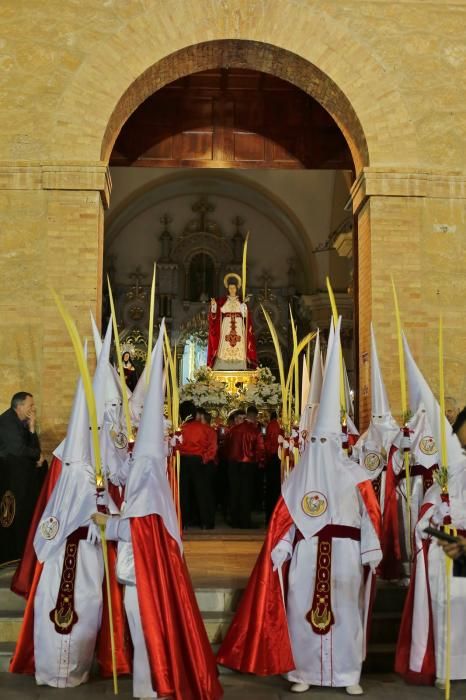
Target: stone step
389, 597
9, 601
218, 599
6, 652
10, 624
380, 658
385, 627
217, 624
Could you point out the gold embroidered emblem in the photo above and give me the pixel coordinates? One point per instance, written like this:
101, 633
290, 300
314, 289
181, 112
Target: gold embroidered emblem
7, 509
321, 621
119, 439
49, 528
427, 445
372, 461
314, 504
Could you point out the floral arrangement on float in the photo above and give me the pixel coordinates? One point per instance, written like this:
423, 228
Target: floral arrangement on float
206, 391
265, 393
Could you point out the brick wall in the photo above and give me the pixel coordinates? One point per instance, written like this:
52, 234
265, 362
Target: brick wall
389, 73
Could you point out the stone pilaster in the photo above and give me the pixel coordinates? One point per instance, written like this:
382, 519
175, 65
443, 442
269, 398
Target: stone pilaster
51, 218
411, 224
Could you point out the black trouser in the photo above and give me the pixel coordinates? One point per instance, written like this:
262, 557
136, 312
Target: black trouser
197, 492
221, 488
272, 485
241, 479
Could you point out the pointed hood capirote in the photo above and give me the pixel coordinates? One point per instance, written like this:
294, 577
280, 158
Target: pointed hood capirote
382, 417
427, 401
412, 373
373, 447
329, 418
136, 402
105, 384
147, 488
331, 335
380, 405
315, 388
349, 404
96, 336
73, 499
305, 385
311, 405
425, 443
325, 476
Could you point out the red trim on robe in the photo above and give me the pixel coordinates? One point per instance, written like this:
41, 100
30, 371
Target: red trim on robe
115, 494
258, 640
24, 575
180, 657
427, 674
390, 567
123, 645
23, 658
369, 497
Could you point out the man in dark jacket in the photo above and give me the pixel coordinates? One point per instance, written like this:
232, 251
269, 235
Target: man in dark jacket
20, 474
198, 449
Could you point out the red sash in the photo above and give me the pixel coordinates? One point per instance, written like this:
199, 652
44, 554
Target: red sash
64, 616
320, 616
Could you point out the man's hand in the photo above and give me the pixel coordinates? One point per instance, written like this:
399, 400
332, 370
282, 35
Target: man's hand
100, 519
40, 461
454, 549
31, 418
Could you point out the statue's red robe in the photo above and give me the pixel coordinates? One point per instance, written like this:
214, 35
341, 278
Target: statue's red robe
215, 322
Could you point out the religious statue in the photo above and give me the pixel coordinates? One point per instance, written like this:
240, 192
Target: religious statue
232, 345
131, 373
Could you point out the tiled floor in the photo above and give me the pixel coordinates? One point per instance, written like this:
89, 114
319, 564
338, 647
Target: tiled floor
236, 686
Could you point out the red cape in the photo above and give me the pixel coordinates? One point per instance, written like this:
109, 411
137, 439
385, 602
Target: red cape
23, 658
258, 640
214, 338
390, 567
24, 574
180, 656
427, 674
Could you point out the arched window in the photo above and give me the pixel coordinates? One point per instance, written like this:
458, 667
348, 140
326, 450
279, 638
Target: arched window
201, 278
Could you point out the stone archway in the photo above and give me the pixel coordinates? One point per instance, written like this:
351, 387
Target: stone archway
87, 121
87, 77
252, 55
242, 54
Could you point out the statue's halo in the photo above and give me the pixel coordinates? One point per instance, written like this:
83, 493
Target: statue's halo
232, 275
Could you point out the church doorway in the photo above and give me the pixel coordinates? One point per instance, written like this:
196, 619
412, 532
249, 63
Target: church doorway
200, 163
203, 161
